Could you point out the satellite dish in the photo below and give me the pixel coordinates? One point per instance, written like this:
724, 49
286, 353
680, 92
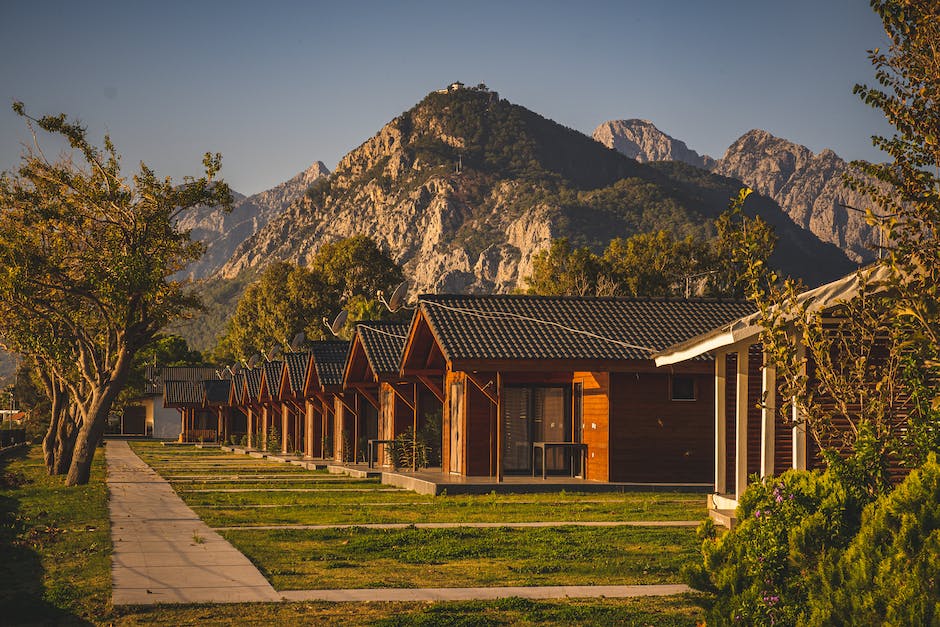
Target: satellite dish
339, 321
297, 341
254, 360
235, 369
398, 296
272, 352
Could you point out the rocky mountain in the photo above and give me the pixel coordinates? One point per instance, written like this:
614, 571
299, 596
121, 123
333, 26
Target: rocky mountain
464, 188
223, 232
641, 140
809, 187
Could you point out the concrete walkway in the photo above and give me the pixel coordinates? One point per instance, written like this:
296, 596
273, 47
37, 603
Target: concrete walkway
163, 553
478, 525
483, 594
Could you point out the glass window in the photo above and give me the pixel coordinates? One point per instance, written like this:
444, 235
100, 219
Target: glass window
683, 388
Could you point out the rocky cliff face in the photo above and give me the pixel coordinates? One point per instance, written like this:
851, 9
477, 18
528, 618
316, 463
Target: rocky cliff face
464, 189
809, 187
223, 232
641, 140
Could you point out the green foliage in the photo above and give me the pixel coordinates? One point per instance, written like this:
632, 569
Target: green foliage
273, 443
288, 298
560, 270
410, 450
658, 264
888, 574
759, 571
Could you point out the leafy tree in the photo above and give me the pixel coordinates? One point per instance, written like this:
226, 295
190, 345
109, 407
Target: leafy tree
561, 270
741, 242
87, 257
288, 298
654, 264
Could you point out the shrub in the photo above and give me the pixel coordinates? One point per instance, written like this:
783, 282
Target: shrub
409, 450
890, 572
758, 572
273, 445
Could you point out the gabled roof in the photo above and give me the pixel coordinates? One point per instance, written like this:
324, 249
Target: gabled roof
328, 360
825, 297
156, 377
253, 383
523, 327
183, 393
271, 378
217, 391
383, 343
296, 369
238, 389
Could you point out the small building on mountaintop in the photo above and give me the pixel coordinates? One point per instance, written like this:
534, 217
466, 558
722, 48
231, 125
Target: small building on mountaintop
567, 385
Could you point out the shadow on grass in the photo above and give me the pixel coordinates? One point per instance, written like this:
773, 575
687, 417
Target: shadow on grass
23, 597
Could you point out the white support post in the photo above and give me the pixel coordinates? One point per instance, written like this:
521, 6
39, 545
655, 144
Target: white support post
768, 418
740, 426
721, 423
799, 421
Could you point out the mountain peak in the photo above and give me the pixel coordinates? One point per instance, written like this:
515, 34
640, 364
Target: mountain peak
641, 140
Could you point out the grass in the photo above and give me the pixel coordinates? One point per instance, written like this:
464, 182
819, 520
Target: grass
56, 548
55, 569
432, 558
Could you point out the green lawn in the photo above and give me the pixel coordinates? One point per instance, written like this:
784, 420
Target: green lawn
55, 546
466, 557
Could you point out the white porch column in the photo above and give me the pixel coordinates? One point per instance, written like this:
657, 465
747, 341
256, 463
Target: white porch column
768, 417
721, 423
740, 426
799, 420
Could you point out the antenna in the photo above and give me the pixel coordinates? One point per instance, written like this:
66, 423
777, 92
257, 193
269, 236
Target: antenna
397, 299
337, 325
297, 341
272, 352
254, 360
219, 374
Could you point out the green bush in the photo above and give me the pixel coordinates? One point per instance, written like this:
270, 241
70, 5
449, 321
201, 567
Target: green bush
409, 450
273, 445
890, 572
758, 572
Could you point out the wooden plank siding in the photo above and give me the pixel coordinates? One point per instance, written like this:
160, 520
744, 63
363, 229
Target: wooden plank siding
595, 418
656, 439
480, 420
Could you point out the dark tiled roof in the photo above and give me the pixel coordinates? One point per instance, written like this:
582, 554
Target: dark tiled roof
156, 377
329, 359
296, 370
217, 391
238, 383
177, 393
383, 343
253, 382
559, 327
272, 375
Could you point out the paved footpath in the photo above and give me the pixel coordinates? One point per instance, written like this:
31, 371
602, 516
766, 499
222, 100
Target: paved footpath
163, 553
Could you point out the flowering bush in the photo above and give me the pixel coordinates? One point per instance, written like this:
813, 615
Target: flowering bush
758, 571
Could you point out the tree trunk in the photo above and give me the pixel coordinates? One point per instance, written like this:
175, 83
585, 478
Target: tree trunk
65, 440
95, 418
49, 441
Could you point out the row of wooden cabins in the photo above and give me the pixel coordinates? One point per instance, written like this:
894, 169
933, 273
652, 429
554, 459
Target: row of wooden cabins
568, 379
630, 391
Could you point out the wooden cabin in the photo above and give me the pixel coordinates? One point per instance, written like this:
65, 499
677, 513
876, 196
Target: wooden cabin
372, 370
197, 423
250, 403
217, 395
297, 411
323, 388
747, 399
568, 385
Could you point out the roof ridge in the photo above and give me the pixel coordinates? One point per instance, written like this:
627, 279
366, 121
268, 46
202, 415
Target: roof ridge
624, 299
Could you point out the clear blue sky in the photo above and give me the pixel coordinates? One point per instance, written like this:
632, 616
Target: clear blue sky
275, 86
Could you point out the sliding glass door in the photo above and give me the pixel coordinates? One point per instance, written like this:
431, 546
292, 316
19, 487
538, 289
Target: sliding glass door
534, 414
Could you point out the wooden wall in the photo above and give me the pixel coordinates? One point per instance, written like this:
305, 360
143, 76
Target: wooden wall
655, 439
481, 431
596, 418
